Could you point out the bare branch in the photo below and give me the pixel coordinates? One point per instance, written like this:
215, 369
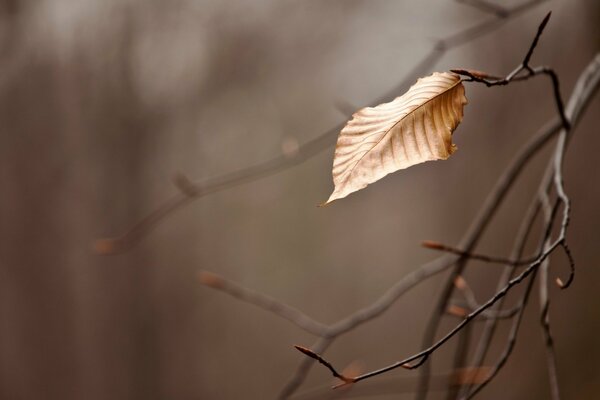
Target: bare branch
548, 340
474, 256
321, 360
265, 302
472, 303
487, 7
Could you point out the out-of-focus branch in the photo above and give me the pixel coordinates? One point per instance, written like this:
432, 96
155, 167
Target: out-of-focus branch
260, 300
430, 244
487, 7
195, 190
545, 319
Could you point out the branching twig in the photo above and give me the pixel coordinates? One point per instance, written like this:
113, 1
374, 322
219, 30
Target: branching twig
418, 359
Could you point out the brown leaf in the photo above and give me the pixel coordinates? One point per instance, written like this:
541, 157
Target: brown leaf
414, 128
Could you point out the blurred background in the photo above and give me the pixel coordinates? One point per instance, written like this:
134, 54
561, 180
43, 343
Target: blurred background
101, 102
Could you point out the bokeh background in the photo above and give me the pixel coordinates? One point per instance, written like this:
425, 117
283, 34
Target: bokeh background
101, 102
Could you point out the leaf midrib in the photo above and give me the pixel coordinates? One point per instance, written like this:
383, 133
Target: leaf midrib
399, 121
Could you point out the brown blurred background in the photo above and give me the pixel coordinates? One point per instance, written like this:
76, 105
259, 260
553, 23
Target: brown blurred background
102, 101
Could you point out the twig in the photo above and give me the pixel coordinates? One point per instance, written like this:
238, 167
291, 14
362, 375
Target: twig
487, 7
305, 364
283, 310
547, 335
585, 88
474, 256
461, 285
518, 75
321, 360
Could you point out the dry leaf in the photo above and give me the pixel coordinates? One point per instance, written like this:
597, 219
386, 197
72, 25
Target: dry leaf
414, 128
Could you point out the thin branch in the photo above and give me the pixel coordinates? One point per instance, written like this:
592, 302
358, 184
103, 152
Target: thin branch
302, 370
559, 282
487, 7
547, 335
321, 360
283, 310
462, 286
535, 40
462, 311
430, 244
